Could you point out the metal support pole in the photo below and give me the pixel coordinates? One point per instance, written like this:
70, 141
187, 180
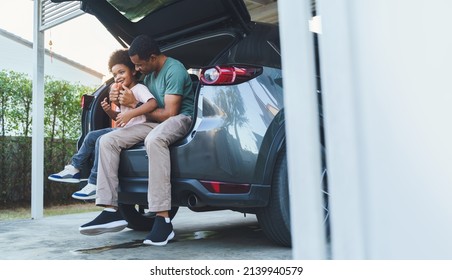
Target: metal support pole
37, 143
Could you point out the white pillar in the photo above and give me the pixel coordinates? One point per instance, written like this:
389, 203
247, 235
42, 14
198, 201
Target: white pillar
37, 144
342, 118
386, 77
302, 129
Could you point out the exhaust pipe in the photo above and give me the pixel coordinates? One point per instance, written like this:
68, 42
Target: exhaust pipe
193, 201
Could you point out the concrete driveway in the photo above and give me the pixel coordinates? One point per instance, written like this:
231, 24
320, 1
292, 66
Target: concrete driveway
211, 235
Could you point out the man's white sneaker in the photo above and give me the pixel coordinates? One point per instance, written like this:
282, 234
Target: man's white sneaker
87, 193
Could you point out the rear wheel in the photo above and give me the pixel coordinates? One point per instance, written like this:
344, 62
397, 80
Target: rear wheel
274, 219
136, 218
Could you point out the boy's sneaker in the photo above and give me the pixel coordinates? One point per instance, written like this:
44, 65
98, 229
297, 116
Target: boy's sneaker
87, 193
109, 220
161, 232
70, 174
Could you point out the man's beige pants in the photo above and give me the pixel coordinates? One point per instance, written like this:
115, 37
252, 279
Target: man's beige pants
157, 138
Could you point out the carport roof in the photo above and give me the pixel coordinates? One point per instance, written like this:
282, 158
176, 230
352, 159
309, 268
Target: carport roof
263, 10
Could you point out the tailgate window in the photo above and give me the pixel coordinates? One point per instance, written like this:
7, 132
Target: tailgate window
135, 10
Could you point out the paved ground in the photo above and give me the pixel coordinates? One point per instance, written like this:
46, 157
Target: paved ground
208, 236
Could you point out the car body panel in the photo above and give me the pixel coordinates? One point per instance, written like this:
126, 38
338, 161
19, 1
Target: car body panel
229, 138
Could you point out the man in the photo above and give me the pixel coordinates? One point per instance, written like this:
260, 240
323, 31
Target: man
171, 85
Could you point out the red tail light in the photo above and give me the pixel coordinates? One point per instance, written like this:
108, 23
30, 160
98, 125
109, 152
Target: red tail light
86, 101
222, 187
229, 75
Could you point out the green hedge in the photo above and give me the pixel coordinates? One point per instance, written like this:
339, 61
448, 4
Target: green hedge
61, 126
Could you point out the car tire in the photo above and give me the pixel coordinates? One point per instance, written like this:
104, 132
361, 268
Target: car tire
137, 220
274, 219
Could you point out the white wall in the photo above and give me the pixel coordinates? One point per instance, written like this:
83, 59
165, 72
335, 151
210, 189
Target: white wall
386, 76
17, 54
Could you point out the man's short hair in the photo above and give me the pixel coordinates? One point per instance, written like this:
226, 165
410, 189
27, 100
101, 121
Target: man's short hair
144, 46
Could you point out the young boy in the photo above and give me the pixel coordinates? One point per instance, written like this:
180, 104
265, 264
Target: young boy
125, 78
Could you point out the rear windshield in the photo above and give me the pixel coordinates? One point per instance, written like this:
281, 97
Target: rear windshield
135, 10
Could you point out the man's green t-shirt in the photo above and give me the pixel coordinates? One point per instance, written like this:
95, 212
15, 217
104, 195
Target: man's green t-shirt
172, 79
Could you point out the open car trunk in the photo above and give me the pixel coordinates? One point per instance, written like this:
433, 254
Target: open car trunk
126, 19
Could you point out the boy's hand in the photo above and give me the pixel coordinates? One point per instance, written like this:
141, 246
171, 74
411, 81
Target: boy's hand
105, 105
126, 98
123, 118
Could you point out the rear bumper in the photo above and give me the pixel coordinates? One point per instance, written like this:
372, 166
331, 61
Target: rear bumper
134, 191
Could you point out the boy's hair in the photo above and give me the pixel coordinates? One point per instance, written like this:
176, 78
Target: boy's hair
144, 46
120, 57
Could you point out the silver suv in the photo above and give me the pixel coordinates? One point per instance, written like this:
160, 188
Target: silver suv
234, 156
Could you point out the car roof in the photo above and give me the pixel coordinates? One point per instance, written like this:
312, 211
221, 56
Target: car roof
166, 20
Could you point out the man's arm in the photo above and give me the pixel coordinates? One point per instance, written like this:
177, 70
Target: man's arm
172, 108
123, 118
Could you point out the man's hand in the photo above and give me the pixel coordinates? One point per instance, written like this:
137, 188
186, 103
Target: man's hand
126, 98
123, 118
114, 93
